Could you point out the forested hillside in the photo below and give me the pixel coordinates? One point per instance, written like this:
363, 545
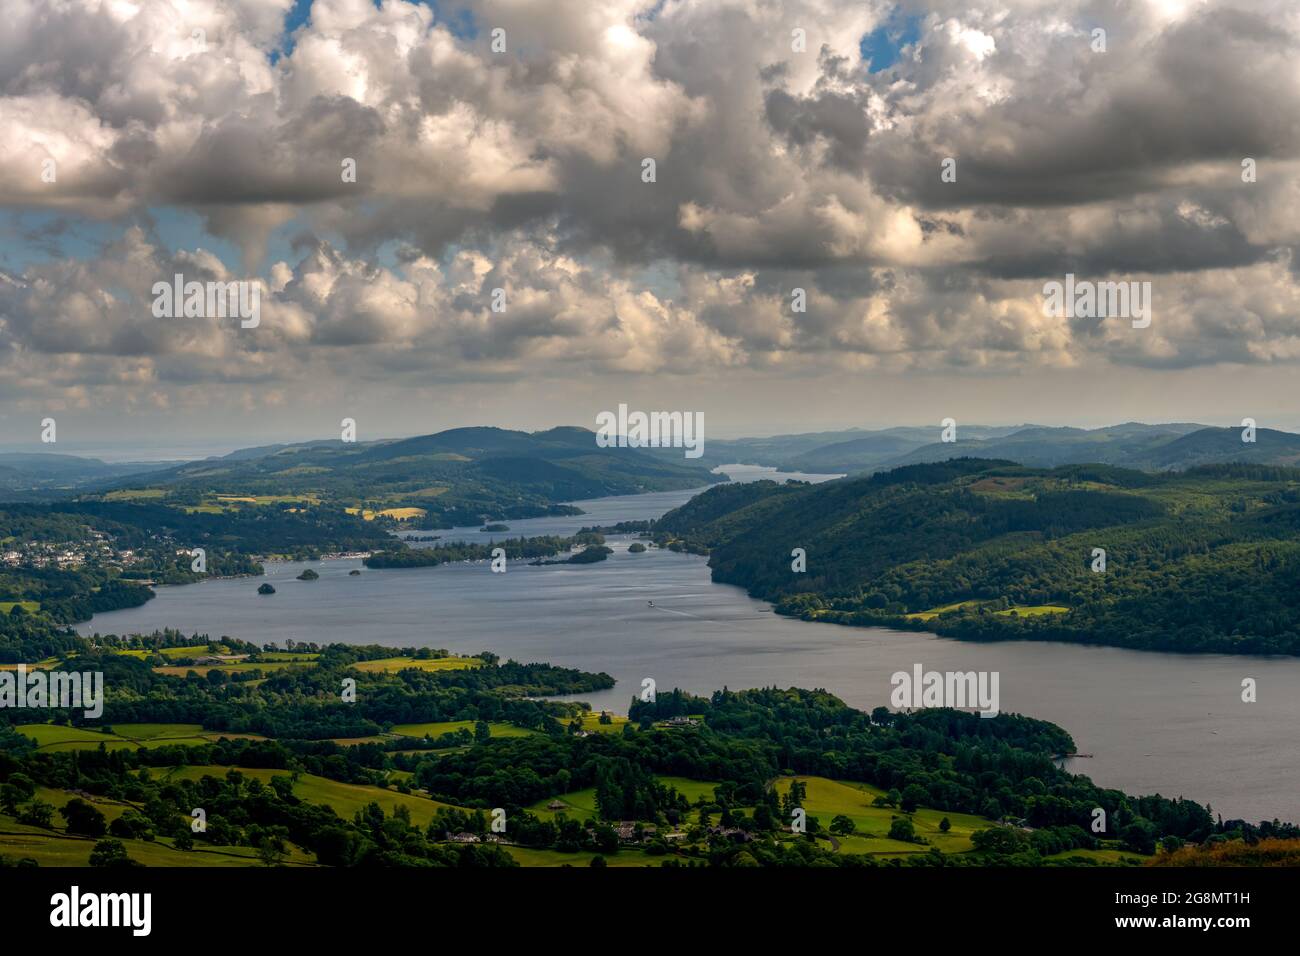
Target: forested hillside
1207, 560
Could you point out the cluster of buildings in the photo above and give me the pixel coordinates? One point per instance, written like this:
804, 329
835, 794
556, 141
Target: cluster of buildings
67, 554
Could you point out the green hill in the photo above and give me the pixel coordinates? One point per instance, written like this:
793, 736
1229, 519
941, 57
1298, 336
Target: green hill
459, 476
1206, 560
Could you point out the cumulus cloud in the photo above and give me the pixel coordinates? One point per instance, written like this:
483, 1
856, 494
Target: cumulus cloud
778, 165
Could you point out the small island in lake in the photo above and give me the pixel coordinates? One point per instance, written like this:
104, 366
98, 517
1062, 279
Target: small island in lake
495, 527
308, 575
636, 547
354, 572
590, 555
265, 589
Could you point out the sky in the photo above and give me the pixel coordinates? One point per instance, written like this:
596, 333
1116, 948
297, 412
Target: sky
914, 174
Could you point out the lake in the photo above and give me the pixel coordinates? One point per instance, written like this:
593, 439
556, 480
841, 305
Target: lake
1172, 724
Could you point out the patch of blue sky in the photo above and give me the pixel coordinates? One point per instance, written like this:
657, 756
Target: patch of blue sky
33, 236
882, 47
455, 17
184, 229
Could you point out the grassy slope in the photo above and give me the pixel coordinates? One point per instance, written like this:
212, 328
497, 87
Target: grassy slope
394, 664
436, 729
124, 736
830, 798
345, 798
68, 850
581, 804
527, 856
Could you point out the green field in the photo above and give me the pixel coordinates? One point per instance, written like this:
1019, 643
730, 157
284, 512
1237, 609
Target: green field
438, 728
354, 741
219, 504
30, 607
111, 809
394, 664
277, 658
193, 650
692, 790
39, 665
592, 725
578, 805
65, 850
1021, 610
345, 798
1034, 610
135, 494
581, 804
1107, 857
124, 736
936, 611
828, 799
872, 846
234, 667
527, 856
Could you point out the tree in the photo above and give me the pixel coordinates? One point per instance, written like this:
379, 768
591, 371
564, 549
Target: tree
482, 732
111, 854
19, 788
605, 837
132, 825
945, 825
38, 813
82, 818
1140, 836
902, 829
271, 851
913, 796
1000, 841
843, 825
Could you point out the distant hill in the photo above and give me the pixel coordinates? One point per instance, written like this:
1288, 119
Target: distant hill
459, 476
1213, 445
811, 451
1174, 446
1131, 445
37, 471
857, 455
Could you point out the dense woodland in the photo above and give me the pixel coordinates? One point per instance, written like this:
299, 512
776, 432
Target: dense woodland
1207, 560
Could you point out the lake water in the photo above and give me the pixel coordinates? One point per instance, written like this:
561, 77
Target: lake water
1173, 724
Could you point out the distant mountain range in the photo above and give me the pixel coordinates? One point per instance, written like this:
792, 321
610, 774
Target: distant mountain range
503, 473
36, 471
1165, 447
